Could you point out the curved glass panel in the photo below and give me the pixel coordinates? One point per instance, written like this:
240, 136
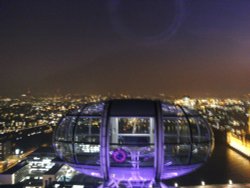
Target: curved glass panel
200, 130
171, 110
200, 152
87, 154
176, 130
190, 112
65, 151
93, 109
75, 112
64, 131
87, 141
176, 141
176, 154
87, 130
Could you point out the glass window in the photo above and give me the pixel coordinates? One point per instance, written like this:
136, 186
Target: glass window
134, 125
190, 112
171, 110
64, 131
87, 136
87, 154
131, 141
200, 130
88, 130
131, 131
176, 154
64, 150
75, 112
93, 109
200, 152
176, 130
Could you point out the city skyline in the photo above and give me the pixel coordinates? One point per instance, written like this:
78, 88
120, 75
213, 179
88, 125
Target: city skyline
174, 47
29, 122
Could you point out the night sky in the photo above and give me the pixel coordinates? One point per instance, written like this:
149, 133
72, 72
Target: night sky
189, 47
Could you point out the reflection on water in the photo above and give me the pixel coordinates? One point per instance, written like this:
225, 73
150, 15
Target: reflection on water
239, 165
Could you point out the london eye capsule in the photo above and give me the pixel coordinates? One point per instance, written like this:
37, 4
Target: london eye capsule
133, 140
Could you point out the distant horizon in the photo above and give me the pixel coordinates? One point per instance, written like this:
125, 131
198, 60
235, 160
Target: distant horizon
176, 47
131, 95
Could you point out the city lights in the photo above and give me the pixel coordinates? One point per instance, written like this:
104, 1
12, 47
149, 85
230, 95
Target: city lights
228, 115
239, 145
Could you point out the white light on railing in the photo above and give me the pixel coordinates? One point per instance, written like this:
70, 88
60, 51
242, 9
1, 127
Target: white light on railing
230, 182
203, 183
78, 186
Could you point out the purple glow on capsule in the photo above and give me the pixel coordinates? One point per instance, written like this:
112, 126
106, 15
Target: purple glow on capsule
129, 149
119, 155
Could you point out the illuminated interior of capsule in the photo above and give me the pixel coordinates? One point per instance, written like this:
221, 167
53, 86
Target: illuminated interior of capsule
133, 140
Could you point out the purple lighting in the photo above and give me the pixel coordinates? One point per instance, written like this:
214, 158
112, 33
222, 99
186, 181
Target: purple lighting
119, 155
134, 141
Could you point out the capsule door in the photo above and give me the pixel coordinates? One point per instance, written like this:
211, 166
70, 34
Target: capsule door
131, 147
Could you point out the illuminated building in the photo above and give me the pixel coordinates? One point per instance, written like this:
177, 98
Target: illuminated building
133, 141
51, 175
241, 141
248, 121
14, 175
5, 149
29, 171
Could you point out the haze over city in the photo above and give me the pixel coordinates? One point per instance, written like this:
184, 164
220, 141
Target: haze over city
197, 48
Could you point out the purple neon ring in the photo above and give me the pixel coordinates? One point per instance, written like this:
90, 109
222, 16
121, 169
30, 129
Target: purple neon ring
119, 155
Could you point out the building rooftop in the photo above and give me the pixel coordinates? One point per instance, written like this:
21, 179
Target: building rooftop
16, 168
54, 169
